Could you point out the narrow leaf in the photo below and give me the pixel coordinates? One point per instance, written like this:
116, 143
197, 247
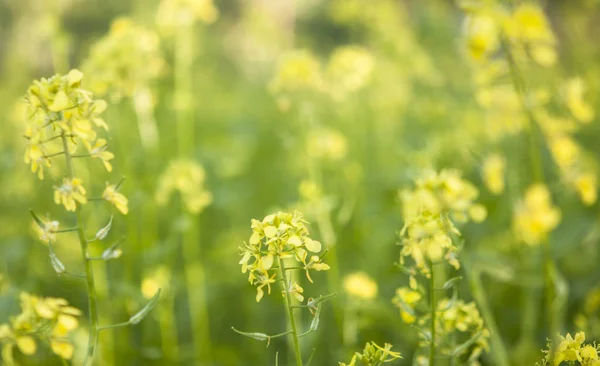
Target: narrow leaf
146, 309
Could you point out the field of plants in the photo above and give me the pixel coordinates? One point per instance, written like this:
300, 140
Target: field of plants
317, 182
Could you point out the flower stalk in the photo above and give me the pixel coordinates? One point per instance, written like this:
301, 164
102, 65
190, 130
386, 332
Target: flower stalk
290, 312
89, 272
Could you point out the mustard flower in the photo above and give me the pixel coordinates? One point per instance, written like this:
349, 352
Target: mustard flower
443, 192
47, 233
327, 144
426, 239
464, 320
186, 177
349, 69
571, 350
494, 167
280, 235
406, 300
373, 355
574, 91
111, 195
49, 319
535, 216
124, 61
55, 106
482, 33
70, 193
98, 151
360, 285
176, 13
587, 187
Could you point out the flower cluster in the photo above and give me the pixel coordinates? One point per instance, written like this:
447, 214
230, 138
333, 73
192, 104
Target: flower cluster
278, 237
327, 144
187, 177
299, 72
47, 320
125, 60
463, 320
535, 216
427, 239
406, 300
59, 106
61, 117
572, 351
525, 28
181, 13
360, 286
444, 192
373, 355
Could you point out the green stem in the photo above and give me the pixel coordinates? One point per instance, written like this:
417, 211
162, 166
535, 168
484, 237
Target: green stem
477, 290
290, 311
553, 302
433, 315
89, 272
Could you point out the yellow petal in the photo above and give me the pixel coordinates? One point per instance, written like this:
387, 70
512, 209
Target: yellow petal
26, 344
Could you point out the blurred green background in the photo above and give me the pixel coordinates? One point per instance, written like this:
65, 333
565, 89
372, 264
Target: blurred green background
416, 111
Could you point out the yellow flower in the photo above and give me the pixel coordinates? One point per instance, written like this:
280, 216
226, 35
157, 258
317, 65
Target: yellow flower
48, 232
26, 345
360, 285
327, 144
99, 151
573, 94
406, 300
373, 354
493, 173
34, 155
297, 71
278, 236
587, 187
348, 70
63, 349
531, 24
186, 177
176, 13
535, 216
482, 35
70, 193
111, 195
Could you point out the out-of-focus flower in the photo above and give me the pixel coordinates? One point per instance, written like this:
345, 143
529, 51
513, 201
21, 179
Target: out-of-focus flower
587, 187
574, 91
406, 300
327, 144
298, 72
125, 60
493, 173
360, 286
445, 191
49, 319
184, 13
482, 34
348, 70
186, 177
119, 200
535, 216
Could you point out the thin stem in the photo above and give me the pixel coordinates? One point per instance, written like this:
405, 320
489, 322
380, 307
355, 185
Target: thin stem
124, 324
433, 315
288, 305
553, 302
499, 353
89, 272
